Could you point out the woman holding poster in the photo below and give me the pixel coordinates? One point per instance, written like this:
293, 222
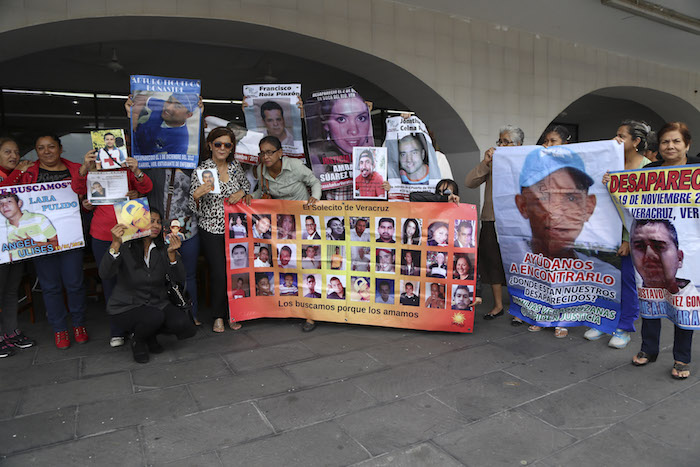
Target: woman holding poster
104, 218
284, 178
10, 273
209, 207
633, 135
139, 304
651, 260
60, 270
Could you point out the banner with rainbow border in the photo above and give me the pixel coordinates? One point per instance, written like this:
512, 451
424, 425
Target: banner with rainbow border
399, 265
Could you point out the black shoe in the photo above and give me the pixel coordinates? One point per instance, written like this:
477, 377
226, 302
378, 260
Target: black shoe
154, 346
489, 316
140, 350
308, 327
516, 322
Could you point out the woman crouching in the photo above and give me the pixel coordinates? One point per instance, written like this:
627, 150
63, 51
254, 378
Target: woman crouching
139, 303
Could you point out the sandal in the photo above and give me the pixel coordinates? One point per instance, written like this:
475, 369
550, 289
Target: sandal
218, 325
516, 322
679, 367
643, 355
560, 333
235, 325
534, 328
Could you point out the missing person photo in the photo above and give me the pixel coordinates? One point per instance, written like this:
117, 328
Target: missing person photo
262, 226
238, 255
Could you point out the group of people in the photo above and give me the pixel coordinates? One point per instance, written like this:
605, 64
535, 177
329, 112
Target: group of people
652, 246
133, 274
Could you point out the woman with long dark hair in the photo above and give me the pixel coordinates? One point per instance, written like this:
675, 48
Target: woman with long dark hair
139, 303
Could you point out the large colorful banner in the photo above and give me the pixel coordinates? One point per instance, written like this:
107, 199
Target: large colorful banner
412, 163
662, 214
274, 109
559, 232
165, 121
39, 219
337, 120
374, 263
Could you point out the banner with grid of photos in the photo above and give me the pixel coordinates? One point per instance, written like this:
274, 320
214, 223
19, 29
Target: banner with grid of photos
399, 265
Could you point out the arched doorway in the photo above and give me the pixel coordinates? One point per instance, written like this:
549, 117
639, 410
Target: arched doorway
220, 53
597, 115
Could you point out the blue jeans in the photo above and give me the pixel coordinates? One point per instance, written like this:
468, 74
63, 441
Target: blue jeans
55, 272
629, 305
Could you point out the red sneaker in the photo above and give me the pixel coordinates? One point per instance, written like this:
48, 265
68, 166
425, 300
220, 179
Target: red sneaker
80, 334
62, 340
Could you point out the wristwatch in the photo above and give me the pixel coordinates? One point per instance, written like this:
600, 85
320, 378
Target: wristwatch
140, 175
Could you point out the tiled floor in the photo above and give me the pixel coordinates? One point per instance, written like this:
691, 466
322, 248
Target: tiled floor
343, 395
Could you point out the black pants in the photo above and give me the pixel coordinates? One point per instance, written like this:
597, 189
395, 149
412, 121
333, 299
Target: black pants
212, 245
147, 321
682, 340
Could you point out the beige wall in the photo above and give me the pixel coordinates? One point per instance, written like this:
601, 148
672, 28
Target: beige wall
490, 75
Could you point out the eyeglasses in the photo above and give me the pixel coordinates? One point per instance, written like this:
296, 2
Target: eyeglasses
218, 144
504, 142
267, 153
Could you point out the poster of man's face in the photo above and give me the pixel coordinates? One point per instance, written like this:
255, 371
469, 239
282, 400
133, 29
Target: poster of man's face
335, 228
385, 291
369, 172
464, 234
413, 160
272, 117
310, 227
655, 253
287, 255
385, 260
359, 229
240, 286
312, 285
386, 229
461, 297
288, 284
264, 284
239, 255
262, 225
165, 122
557, 199
263, 255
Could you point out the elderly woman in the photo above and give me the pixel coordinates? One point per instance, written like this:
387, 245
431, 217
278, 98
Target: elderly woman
209, 207
490, 265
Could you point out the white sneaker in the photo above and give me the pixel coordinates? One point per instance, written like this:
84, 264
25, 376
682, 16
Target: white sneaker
619, 339
116, 342
593, 334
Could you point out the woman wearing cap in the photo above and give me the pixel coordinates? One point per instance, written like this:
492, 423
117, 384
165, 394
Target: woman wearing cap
209, 207
490, 265
284, 178
633, 135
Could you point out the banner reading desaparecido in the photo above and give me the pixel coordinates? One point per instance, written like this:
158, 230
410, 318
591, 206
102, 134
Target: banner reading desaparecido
412, 164
374, 263
165, 121
39, 219
662, 213
273, 109
337, 120
559, 232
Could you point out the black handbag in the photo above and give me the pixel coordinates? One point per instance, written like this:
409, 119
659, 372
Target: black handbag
178, 296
